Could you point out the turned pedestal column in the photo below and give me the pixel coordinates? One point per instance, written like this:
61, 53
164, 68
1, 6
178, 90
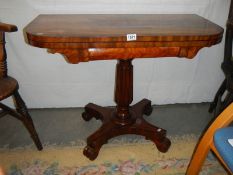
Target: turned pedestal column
123, 119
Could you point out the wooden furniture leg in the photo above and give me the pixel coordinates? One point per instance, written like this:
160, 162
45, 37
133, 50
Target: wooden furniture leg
124, 119
21, 113
228, 100
26, 119
218, 105
219, 93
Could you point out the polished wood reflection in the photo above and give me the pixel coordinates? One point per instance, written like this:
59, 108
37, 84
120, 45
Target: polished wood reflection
97, 37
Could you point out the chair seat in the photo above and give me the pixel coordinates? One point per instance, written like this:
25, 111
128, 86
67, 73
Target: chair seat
7, 87
223, 146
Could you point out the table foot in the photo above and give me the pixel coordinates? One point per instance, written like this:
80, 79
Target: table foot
112, 127
95, 111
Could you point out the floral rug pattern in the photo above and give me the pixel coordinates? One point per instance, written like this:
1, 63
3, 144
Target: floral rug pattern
140, 158
129, 167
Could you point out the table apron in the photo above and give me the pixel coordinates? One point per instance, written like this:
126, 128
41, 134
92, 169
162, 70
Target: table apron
75, 56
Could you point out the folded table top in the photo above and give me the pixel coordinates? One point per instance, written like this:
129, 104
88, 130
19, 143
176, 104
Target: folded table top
110, 28
89, 37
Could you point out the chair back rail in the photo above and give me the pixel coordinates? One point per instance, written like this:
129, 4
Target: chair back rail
7, 27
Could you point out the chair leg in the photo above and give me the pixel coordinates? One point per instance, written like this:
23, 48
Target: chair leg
26, 119
218, 107
198, 159
206, 141
219, 93
228, 99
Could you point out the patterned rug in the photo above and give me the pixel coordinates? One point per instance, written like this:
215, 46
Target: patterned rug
134, 158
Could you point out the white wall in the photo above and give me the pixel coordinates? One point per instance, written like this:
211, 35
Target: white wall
46, 80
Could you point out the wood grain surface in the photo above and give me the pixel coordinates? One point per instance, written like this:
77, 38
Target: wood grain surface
76, 36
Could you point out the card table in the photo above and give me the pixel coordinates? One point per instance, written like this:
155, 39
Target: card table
91, 37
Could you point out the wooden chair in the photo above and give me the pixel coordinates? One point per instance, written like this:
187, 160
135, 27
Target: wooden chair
2, 172
215, 139
9, 87
219, 104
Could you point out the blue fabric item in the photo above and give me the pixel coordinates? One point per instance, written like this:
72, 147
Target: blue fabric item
223, 146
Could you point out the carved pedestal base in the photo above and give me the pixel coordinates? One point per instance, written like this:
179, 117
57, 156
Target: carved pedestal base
111, 127
124, 119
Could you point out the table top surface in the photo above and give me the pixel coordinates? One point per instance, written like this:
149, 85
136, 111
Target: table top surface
86, 37
115, 27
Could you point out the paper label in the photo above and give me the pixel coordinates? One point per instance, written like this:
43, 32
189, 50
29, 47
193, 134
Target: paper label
131, 37
231, 142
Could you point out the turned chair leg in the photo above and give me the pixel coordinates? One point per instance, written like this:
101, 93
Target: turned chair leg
219, 93
26, 119
228, 100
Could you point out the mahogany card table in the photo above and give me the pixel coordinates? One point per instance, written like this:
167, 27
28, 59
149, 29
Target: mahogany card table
91, 37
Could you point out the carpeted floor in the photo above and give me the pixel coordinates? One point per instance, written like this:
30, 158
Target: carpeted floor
141, 158
64, 126
61, 129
